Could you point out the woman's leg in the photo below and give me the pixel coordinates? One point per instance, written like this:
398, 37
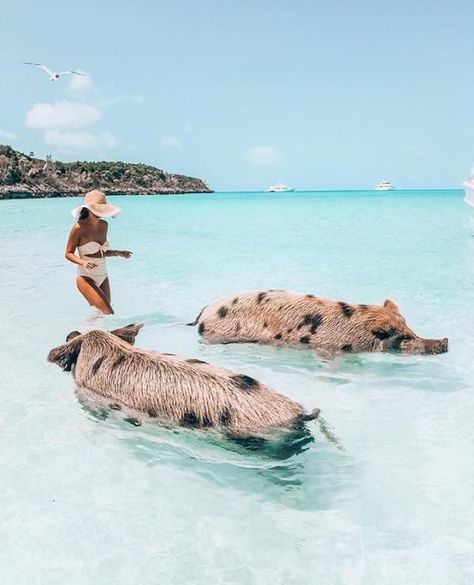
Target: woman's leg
105, 288
93, 294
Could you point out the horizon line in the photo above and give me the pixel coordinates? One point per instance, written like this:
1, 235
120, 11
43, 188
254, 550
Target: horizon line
338, 190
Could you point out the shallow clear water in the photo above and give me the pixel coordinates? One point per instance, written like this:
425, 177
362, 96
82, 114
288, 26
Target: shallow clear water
87, 501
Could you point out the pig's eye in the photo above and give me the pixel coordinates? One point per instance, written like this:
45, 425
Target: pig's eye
396, 341
402, 338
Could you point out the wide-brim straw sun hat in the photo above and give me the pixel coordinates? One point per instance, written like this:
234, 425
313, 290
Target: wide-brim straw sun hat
96, 202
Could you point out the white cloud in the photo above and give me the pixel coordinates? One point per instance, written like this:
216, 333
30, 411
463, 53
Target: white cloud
263, 155
65, 123
7, 136
171, 140
62, 115
76, 142
80, 83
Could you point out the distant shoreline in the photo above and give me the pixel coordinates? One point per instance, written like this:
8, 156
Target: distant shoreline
28, 195
24, 176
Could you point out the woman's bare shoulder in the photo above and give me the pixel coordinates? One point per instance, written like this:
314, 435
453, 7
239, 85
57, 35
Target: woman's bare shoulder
77, 230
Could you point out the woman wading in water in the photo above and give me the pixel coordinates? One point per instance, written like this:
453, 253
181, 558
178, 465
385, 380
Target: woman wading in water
89, 236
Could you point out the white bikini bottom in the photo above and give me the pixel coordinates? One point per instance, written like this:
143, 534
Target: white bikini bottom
97, 274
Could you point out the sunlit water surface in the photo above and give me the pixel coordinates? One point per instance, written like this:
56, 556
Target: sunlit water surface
90, 501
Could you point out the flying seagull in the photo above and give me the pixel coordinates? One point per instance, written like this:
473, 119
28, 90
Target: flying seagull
52, 75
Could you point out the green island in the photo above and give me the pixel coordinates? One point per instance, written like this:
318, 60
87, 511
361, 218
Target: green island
25, 176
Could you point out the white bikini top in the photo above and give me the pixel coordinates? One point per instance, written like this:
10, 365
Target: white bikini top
92, 248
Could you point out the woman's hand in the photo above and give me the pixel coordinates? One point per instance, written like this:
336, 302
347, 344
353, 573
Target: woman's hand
88, 264
124, 253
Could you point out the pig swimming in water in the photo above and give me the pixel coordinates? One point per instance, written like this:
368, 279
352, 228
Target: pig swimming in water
174, 391
284, 318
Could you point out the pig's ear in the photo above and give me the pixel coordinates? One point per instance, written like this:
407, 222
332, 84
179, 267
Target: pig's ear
65, 356
72, 335
388, 304
128, 333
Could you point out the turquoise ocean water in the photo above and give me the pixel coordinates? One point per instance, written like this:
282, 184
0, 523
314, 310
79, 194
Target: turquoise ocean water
88, 501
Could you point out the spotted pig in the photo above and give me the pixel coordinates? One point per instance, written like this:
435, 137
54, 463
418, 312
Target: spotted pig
304, 320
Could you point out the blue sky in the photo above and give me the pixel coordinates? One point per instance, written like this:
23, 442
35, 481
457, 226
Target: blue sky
244, 93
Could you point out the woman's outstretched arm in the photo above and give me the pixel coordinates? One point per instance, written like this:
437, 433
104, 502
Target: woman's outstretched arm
122, 253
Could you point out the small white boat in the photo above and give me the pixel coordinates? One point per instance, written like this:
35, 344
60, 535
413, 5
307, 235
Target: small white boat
384, 186
280, 188
469, 195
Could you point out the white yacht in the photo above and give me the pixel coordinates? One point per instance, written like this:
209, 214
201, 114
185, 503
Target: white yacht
469, 195
384, 186
280, 188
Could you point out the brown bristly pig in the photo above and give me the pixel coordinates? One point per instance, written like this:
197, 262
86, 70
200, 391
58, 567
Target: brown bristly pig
303, 320
170, 390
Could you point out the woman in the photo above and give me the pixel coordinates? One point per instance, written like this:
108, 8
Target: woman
89, 236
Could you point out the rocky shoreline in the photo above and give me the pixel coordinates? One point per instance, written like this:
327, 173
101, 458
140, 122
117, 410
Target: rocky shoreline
26, 177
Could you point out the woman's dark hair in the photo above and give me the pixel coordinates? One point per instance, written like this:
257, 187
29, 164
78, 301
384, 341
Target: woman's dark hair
83, 214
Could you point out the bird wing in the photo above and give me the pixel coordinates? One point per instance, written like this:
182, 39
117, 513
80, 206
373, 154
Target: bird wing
72, 72
40, 66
